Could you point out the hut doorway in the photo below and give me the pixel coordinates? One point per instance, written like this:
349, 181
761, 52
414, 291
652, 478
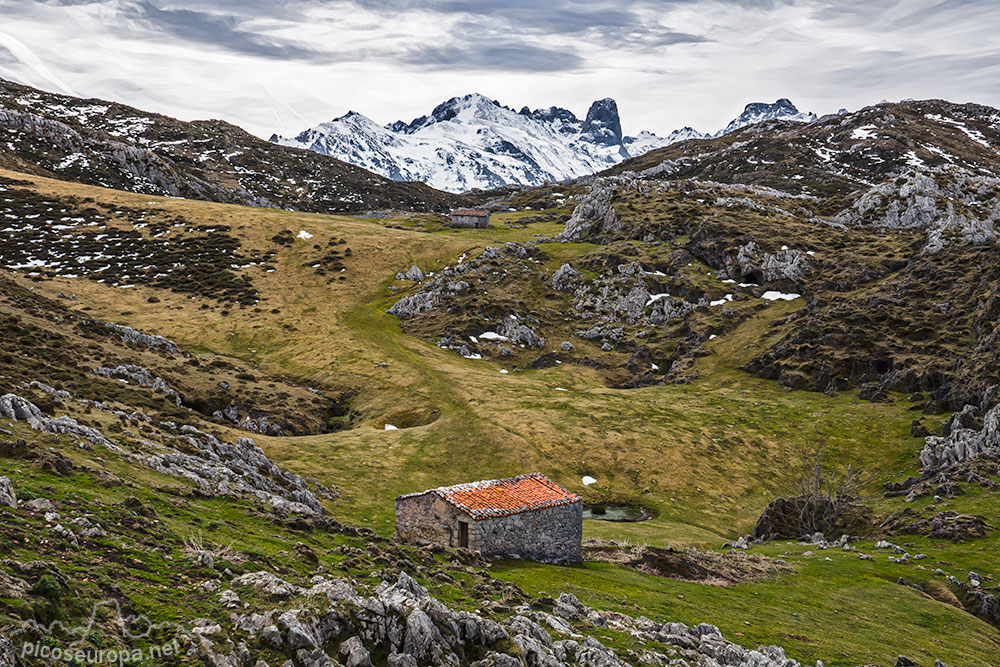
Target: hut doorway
463, 534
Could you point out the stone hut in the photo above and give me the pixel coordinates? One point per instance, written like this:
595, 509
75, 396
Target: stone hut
470, 217
528, 516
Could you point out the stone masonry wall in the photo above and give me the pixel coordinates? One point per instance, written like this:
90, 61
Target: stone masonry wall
428, 519
550, 535
470, 221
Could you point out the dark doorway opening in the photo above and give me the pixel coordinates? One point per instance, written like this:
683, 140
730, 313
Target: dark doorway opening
463, 534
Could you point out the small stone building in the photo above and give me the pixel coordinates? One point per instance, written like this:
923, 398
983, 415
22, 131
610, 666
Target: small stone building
528, 516
470, 217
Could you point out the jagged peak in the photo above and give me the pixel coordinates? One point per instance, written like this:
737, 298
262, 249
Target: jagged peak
756, 112
603, 125
782, 103
354, 118
550, 114
447, 110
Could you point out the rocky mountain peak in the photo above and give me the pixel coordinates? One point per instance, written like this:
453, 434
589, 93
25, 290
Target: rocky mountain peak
550, 115
448, 110
603, 125
758, 112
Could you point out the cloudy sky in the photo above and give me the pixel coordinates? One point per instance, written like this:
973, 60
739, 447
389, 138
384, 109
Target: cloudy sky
283, 65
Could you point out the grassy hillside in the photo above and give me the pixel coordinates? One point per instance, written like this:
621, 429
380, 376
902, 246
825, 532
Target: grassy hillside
705, 456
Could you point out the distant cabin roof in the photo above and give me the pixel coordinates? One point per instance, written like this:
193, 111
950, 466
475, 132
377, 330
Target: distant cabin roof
502, 497
470, 211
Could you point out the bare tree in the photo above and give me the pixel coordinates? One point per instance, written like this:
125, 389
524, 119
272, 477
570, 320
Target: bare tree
828, 502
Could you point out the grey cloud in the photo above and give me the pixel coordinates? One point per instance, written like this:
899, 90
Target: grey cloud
222, 24
941, 12
216, 30
880, 69
7, 58
615, 23
630, 35
498, 56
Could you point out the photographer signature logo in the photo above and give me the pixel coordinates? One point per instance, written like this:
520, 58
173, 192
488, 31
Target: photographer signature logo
60, 642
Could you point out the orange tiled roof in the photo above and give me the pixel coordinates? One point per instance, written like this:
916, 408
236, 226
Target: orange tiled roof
469, 211
502, 497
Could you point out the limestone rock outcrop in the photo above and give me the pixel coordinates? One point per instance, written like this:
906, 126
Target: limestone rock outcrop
963, 444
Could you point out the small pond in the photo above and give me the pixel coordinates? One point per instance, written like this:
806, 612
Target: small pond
616, 512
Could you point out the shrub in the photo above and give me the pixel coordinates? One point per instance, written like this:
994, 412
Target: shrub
48, 587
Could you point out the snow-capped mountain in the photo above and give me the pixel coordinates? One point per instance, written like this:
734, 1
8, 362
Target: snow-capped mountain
475, 142
758, 112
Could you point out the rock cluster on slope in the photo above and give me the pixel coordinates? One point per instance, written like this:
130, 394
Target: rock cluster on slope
963, 444
152, 341
945, 202
594, 214
404, 623
142, 377
20, 409
234, 469
217, 468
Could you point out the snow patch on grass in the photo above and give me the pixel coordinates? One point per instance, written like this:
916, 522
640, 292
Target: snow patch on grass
773, 295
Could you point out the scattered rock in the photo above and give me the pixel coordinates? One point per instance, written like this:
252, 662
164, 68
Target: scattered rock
738, 543
203, 558
414, 273
142, 377
754, 265
565, 277
130, 335
234, 469
39, 505
403, 622
354, 653
7, 496
941, 525
268, 584
594, 214
517, 332
984, 605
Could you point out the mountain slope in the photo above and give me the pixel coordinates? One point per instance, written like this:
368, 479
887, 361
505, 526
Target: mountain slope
109, 144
